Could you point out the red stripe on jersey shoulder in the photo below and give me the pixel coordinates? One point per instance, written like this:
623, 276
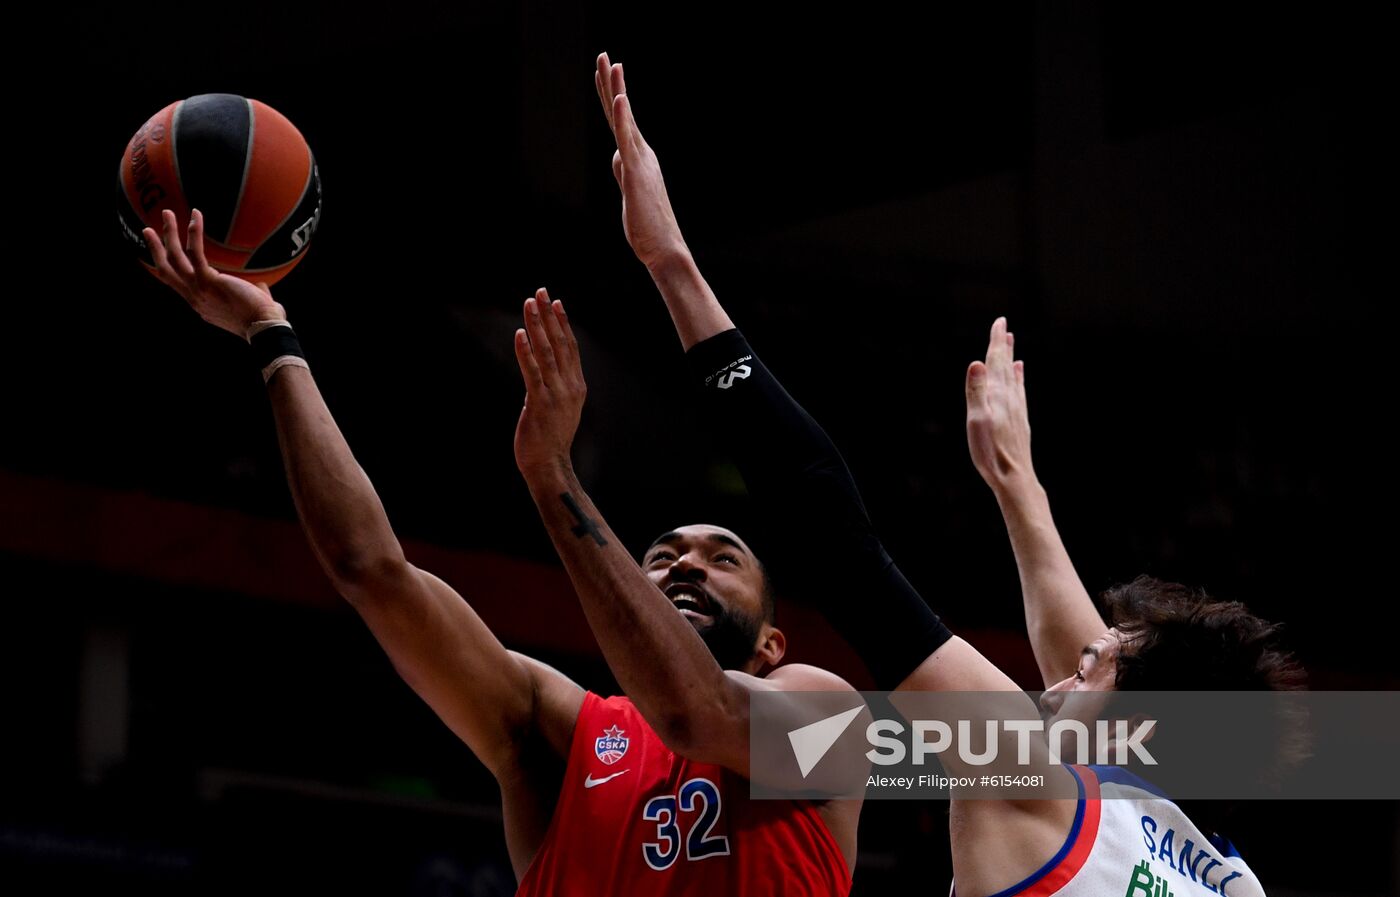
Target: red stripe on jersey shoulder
1075, 852
1072, 855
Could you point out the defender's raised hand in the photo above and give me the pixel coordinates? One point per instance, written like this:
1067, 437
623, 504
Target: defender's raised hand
223, 300
998, 427
554, 389
647, 218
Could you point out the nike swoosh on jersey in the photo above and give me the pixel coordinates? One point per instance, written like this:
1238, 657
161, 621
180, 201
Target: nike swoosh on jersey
591, 782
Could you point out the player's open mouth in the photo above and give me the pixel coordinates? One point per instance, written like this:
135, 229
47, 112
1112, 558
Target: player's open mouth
691, 601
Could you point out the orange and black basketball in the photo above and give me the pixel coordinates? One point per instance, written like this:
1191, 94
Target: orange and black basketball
242, 164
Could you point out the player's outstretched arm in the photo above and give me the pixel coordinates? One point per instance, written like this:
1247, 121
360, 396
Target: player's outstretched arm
1060, 615
488, 696
649, 221
699, 710
788, 461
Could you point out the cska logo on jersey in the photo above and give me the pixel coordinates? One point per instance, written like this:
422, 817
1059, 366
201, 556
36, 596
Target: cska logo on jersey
611, 747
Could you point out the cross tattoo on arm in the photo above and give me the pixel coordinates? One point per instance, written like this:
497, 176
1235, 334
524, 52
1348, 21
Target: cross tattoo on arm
586, 526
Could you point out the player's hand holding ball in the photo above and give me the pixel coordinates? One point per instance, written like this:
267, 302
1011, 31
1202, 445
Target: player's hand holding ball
250, 171
223, 300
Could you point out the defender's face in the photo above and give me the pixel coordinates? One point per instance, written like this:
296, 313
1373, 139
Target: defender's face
1084, 697
709, 574
1097, 672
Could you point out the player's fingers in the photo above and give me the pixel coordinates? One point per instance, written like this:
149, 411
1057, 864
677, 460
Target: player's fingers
540, 343
569, 341
1008, 374
552, 326
976, 385
629, 139
611, 89
626, 147
620, 84
617, 167
613, 79
179, 262
550, 317
598, 89
196, 236
600, 83
529, 367
996, 345
566, 326
158, 257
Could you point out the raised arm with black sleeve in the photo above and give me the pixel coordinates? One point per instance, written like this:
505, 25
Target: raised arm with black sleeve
789, 463
795, 473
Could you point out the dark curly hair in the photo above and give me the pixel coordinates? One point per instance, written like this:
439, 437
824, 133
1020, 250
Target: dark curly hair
1173, 638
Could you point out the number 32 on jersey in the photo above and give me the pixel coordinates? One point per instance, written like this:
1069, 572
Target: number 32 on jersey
696, 796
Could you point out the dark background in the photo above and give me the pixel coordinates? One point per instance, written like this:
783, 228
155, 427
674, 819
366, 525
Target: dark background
1166, 200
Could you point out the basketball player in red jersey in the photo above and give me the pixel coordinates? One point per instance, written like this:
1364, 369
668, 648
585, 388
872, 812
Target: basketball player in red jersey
596, 799
1077, 847
668, 765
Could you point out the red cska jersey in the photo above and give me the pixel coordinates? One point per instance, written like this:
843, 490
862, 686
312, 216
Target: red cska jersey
634, 819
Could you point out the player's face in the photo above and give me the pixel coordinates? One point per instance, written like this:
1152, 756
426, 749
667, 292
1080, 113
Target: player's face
716, 583
1082, 695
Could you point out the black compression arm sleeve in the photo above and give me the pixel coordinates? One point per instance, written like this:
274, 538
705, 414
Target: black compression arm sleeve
801, 482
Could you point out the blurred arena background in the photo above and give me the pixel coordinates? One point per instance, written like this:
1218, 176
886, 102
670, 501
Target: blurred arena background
1162, 197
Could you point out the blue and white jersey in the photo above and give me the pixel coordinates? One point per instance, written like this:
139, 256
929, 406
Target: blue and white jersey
1136, 844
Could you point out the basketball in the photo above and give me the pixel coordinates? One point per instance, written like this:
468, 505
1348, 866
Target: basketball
240, 162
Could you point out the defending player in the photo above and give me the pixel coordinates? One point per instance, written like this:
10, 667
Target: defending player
594, 802
1164, 637
1002, 847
